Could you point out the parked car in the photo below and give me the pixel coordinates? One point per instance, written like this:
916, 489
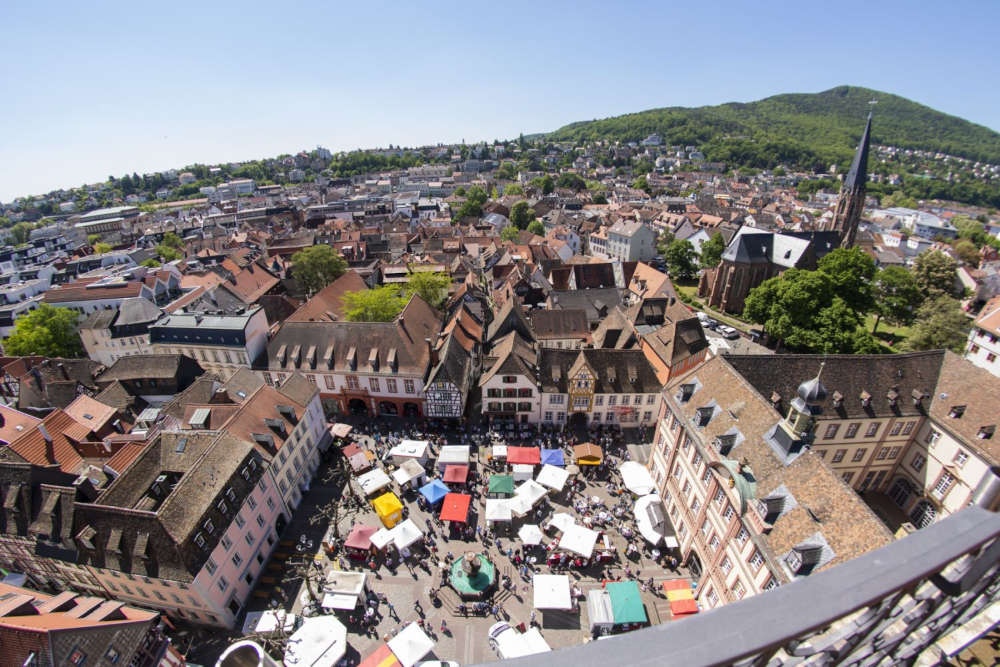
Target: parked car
728, 332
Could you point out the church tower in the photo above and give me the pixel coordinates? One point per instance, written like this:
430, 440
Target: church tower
852, 193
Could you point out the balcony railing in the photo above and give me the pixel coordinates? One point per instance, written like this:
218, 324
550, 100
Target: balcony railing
915, 598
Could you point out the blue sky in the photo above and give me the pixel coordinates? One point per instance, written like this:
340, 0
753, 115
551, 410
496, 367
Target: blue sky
100, 88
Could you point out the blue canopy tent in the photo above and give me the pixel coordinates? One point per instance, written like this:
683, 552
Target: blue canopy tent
434, 491
554, 457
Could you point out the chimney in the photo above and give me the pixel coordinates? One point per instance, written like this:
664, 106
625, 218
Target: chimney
50, 452
432, 352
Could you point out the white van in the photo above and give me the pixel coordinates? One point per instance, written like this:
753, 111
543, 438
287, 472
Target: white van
509, 643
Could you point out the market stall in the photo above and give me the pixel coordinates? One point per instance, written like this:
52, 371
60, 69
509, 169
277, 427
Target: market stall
320, 640
411, 450
651, 520
373, 481
579, 540
500, 486
552, 477
530, 534
553, 457
600, 613
523, 455
389, 509
636, 478
342, 590
410, 645
409, 472
434, 491
454, 474
405, 533
551, 591
382, 657
626, 604
340, 430
561, 521
681, 598
358, 544
588, 454
498, 510
453, 455
526, 496
357, 458
269, 623
520, 472
455, 507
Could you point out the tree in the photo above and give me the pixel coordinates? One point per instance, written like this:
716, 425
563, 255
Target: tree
897, 296
681, 260
47, 331
663, 241
898, 198
934, 272
20, 232
473, 206
711, 251
92, 239
544, 183
641, 184
316, 267
967, 252
171, 240
101, 248
513, 190
536, 227
521, 214
510, 233
381, 304
852, 272
571, 181
598, 199
940, 323
430, 286
151, 263
168, 253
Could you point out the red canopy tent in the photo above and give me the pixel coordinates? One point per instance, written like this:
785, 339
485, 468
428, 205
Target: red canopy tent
524, 455
456, 474
455, 507
360, 537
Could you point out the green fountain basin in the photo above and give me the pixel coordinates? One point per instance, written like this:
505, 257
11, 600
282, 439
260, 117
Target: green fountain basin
470, 588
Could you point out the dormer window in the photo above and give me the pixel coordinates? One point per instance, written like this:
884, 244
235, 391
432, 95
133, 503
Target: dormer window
704, 416
687, 390
866, 399
231, 494
199, 540
725, 443
956, 411
222, 507
838, 399
892, 396
208, 526
986, 432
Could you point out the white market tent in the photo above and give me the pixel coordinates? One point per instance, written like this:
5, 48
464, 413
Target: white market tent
342, 589
410, 645
408, 470
320, 640
651, 520
530, 534
553, 477
500, 451
418, 450
405, 533
268, 622
636, 478
380, 538
562, 521
522, 471
373, 480
579, 540
453, 455
531, 490
551, 591
498, 509
520, 505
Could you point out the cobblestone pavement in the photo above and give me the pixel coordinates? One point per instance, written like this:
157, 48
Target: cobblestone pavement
407, 588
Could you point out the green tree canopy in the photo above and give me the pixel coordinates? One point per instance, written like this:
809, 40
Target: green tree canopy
641, 184
852, 272
897, 296
151, 263
47, 331
521, 214
940, 323
536, 227
934, 272
513, 190
510, 233
93, 239
544, 183
431, 286
168, 253
711, 251
571, 181
967, 252
101, 248
598, 199
681, 260
475, 197
381, 304
20, 232
316, 267
171, 240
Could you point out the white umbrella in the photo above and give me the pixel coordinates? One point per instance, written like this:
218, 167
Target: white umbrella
636, 478
530, 534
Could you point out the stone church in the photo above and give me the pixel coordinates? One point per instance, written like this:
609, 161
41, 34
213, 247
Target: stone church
753, 256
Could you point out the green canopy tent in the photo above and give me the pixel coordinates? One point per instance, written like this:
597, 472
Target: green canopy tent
626, 602
501, 485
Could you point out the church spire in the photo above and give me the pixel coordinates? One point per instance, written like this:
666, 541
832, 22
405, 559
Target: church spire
852, 193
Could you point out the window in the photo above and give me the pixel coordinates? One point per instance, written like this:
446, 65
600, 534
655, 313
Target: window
677, 470
328, 379
719, 496
270, 503
226, 543
908, 428
687, 487
646, 416
352, 382
237, 559
756, 560
112, 655
509, 379
852, 430
199, 540
820, 453
742, 536
251, 502
712, 597
847, 477
210, 566
896, 428
637, 400
262, 485
917, 462
943, 485
729, 512
612, 400
713, 542
696, 459
651, 399
991, 357
931, 437
771, 584
859, 454
596, 417
872, 430
408, 386
682, 530
524, 393
223, 584
707, 475
599, 400
209, 526
556, 399
738, 590
831, 431
704, 527
838, 455
548, 416
883, 452
391, 386
248, 538
373, 383
695, 504
77, 657
894, 452
726, 565
260, 521
961, 456
240, 521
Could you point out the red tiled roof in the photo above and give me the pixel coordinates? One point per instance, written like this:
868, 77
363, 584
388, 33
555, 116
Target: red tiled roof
15, 423
125, 456
30, 446
329, 299
69, 293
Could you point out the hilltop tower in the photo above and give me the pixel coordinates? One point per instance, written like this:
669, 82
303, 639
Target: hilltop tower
852, 193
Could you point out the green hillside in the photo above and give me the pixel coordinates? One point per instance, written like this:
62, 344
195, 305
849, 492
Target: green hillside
806, 130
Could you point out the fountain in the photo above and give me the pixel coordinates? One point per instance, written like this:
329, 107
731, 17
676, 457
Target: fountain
472, 576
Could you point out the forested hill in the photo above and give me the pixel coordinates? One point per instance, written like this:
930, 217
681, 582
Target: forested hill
810, 130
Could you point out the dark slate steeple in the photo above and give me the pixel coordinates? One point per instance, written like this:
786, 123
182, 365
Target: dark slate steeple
852, 193
857, 177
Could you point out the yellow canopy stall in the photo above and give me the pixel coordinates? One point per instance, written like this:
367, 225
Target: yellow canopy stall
389, 509
588, 454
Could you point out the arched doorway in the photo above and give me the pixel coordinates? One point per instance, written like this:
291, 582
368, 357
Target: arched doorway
901, 492
578, 420
357, 407
411, 410
388, 409
693, 563
923, 514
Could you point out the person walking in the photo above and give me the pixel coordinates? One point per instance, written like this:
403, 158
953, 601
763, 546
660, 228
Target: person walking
392, 611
